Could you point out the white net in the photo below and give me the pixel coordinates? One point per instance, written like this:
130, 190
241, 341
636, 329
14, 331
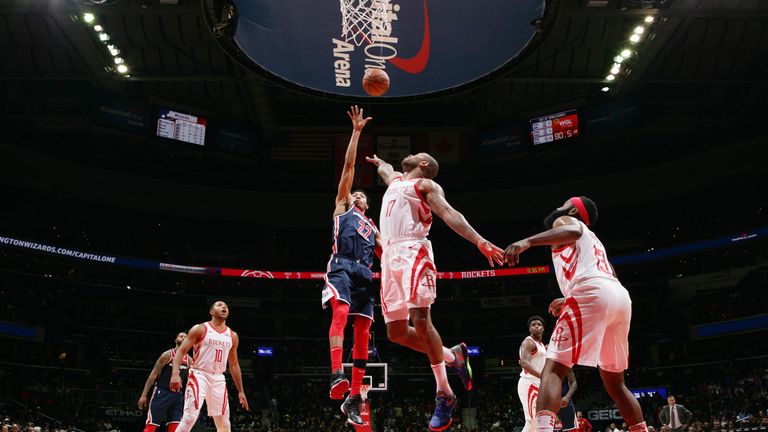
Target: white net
360, 17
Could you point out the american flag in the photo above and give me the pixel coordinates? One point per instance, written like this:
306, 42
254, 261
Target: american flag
297, 146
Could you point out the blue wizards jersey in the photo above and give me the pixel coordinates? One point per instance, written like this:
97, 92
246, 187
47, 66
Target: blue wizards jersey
354, 236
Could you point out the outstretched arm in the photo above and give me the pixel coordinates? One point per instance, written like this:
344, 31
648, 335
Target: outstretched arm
435, 197
385, 170
234, 369
159, 364
564, 231
194, 336
348, 172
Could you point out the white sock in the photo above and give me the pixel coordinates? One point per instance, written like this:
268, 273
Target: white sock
441, 378
545, 421
448, 355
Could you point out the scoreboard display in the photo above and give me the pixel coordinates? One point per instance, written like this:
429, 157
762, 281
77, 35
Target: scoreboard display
183, 127
555, 127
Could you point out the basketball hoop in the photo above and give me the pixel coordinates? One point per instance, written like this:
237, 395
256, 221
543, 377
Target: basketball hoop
359, 17
364, 391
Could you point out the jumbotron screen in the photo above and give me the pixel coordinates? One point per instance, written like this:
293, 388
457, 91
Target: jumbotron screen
555, 127
182, 127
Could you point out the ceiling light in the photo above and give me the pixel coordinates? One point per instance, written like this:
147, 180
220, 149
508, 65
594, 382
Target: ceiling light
626, 53
103, 37
618, 59
119, 60
649, 19
604, 89
122, 68
639, 30
88, 17
114, 51
615, 69
98, 28
635, 38
610, 77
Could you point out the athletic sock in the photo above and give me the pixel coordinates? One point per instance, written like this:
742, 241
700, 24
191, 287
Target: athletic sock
336, 354
448, 356
441, 378
357, 380
640, 427
545, 421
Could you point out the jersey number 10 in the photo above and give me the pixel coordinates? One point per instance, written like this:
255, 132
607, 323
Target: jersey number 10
219, 355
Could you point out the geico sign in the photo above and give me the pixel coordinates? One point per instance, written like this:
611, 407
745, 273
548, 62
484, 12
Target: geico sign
604, 414
114, 412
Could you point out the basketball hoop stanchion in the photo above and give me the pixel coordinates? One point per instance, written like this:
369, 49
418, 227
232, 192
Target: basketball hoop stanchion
365, 410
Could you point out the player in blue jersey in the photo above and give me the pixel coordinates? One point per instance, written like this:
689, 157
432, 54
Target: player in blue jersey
348, 279
164, 405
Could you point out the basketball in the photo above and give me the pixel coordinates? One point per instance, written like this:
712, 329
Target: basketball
375, 82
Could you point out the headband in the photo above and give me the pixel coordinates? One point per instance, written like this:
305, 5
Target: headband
579, 204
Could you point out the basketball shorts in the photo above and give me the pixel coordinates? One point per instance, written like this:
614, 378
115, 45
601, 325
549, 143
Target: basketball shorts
408, 278
207, 387
567, 414
593, 328
528, 390
165, 406
350, 282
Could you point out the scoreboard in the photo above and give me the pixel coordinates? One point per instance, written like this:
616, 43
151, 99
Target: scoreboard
182, 127
555, 127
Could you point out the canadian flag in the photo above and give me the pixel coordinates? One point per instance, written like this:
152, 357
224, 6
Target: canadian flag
444, 146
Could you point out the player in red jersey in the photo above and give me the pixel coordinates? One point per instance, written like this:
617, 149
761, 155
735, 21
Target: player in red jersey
408, 273
594, 315
214, 344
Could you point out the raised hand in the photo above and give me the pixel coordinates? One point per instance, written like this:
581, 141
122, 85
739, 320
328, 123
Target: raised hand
513, 251
356, 115
374, 160
491, 251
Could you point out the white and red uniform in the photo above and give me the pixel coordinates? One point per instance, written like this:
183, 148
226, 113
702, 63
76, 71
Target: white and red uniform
408, 273
593, 328
206, 377
528, 385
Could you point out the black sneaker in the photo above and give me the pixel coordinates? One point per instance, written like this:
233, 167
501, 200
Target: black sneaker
339, 386
351, 409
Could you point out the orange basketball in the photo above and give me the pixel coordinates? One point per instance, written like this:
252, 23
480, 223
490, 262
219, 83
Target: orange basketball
375, 82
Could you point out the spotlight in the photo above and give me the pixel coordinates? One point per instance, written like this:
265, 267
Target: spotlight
626, 53
98, 28
635, 38
618, 59
605, 89
119, 60
649, 19
615, 69
88, 17
103, 37
114, 51
639, 30
122, 68
610, 77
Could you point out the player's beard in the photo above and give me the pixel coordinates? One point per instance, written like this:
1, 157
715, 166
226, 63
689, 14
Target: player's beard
552, 217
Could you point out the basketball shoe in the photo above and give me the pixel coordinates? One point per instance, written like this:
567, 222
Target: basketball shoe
461, 365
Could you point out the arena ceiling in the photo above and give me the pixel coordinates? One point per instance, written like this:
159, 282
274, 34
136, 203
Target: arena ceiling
705, 58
